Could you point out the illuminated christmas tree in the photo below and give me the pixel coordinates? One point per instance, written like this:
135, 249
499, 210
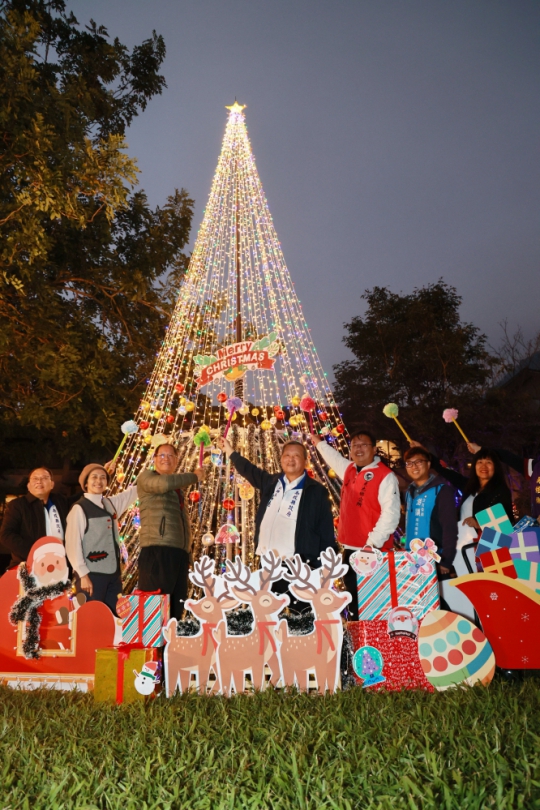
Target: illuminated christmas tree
237, 352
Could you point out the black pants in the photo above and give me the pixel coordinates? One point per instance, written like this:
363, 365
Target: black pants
350, 583
295, 606
107, 588
166, 569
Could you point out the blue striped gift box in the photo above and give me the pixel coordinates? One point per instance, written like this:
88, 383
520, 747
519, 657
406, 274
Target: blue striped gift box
155, 614
419, 592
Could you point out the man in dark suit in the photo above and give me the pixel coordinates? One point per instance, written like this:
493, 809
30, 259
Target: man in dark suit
39, 513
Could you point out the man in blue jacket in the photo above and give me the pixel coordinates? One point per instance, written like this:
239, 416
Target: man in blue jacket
430, 508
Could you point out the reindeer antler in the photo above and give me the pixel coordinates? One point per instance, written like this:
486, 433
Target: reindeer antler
203, 576
332, 567
238, 574
271, 570
299, 573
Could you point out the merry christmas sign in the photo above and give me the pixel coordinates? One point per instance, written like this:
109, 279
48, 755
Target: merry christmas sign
232, 362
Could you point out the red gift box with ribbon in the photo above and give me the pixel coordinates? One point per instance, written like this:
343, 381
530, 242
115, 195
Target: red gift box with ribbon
499, 562
115, 673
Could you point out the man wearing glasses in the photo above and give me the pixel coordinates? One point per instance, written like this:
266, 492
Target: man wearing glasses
370, 505
165, 535
430, 508
39, 513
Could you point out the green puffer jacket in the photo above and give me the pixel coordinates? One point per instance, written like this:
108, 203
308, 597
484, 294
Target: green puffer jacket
163, 522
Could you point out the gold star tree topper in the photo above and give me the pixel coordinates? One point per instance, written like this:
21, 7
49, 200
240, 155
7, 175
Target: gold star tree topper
236, 107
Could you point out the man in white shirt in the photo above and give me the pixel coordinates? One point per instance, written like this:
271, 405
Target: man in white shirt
295, 514
370, 503
92, 536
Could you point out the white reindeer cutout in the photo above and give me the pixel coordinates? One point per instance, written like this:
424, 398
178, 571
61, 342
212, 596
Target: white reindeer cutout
187, 655
319, 651
238, 655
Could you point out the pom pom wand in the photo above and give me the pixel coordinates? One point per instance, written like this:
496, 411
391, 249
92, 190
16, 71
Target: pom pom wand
391, 411
451, 415
127, 429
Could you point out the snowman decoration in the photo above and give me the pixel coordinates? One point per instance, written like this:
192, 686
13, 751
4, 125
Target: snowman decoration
147, 679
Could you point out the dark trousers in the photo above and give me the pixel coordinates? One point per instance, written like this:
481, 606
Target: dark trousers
349, 581
107, 588
165, 569
295, 606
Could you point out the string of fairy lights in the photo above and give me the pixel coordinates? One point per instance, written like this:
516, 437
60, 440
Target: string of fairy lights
237, 259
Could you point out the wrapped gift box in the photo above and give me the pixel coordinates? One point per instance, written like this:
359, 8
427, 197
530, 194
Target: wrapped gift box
143, 617
526, 523
395, 583
401, 669
490, 540
528, 573
114, 679
499, 562
525, 545
495, 518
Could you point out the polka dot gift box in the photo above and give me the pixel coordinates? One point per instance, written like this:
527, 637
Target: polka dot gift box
453, 651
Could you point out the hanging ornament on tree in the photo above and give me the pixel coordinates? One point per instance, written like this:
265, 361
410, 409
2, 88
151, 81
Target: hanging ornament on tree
325, 431
255, 412
207, 539
272, 420
190, 406
304, 379
228, 534
215, 456
179, 388
157, 414
222, 397
145, 406
340, 428
246, 491
182, 410
266, 424
323, 416
194, 496
280, 415
144, 425
293, 421
244, 410
228, 504
296, 401
169, 419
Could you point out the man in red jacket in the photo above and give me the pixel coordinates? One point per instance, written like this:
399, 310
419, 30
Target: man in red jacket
370, 505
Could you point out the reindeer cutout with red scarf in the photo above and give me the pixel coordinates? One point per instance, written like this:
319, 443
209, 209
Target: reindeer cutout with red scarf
318, 652
238, 655
187, 655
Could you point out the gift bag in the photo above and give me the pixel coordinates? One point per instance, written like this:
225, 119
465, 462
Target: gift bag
143, 617
397, 581
398, 660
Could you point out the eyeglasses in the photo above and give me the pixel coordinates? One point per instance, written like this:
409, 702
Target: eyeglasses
417, 463
167, 455
357, 444
44, 480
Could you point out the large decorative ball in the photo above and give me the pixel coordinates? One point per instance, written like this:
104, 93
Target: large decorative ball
228, 504
454, 651
255, 411
207, 539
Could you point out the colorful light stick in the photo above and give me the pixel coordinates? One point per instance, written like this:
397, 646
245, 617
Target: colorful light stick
201, 440
127, 429
391, 411
451, 415
233, 404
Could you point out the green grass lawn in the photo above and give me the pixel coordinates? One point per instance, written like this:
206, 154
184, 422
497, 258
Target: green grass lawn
478, 748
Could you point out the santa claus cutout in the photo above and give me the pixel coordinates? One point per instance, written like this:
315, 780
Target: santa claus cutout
45, 610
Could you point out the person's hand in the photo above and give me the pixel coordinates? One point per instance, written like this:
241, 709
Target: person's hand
316, 439
473, 448
472, 522
200, 472
110, 466
443, 570
225, 445
86, 585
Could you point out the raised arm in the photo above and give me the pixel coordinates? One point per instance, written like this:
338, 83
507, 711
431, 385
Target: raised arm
333, 458
256, 476
159, 484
